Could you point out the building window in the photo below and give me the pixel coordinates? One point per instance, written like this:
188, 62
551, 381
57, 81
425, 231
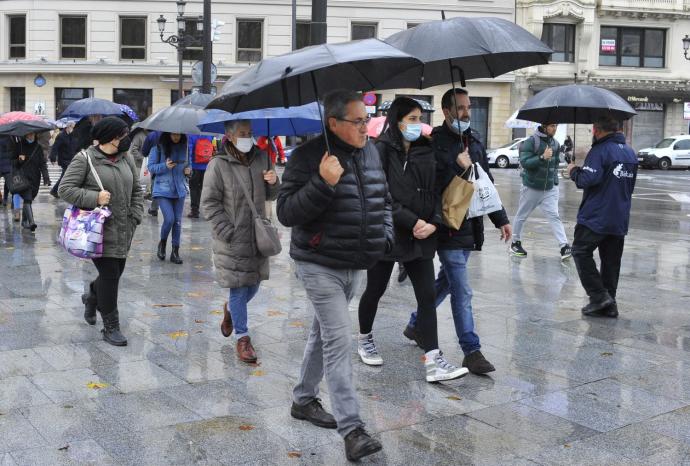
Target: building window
139, 100
66, 95
561, 39
73, 36
175, 95
363, 30
412, 25
634, 47
303, 34
194, 28
17, 99
132, 38
17, 36
249, 40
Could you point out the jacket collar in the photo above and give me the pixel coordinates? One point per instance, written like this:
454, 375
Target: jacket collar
616, 137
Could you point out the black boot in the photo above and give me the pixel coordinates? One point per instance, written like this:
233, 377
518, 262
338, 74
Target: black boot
111, 329
175, 255
28, 214
90, 305
161, 249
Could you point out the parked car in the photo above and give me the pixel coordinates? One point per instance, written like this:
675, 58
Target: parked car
506, 155
673, 151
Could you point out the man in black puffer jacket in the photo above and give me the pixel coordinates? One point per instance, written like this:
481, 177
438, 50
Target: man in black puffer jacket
457, 147
340, 212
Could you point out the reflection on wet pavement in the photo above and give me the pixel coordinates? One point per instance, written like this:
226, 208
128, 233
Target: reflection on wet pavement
567, 390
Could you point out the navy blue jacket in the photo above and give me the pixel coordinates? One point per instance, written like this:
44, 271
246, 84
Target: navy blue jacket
608, 179
150, 142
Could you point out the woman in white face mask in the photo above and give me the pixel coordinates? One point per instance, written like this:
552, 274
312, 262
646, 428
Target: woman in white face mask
239, 266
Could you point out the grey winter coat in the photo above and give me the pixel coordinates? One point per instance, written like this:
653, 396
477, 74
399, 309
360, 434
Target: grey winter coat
135, 148
79, 187
224, 205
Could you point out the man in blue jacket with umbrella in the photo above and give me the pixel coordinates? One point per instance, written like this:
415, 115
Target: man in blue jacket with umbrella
608, 178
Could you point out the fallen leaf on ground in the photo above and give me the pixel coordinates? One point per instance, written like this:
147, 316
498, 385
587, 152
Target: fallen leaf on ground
454, 398
194, 294
294, 454
199, 321
168, 305
96, 385
257, 373
65, 448
606, 353
274, 312
297, 324
246, 427
178, 334
216, 312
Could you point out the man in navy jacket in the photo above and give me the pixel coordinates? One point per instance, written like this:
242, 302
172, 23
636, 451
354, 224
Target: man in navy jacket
608, 179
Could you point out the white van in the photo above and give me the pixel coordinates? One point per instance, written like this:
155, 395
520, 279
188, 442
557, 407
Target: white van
673, 151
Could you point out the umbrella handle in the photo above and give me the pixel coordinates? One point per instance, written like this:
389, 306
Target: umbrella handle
318, 104
461, 74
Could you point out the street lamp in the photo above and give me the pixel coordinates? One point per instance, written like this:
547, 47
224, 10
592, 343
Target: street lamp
180, 41
686, 46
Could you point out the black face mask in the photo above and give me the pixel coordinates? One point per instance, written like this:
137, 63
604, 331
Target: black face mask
124, 144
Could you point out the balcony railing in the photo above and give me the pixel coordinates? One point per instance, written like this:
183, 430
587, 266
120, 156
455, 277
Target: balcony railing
650, 6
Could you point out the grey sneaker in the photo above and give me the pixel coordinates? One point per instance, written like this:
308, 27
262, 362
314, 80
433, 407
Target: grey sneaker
366, 348
438, 369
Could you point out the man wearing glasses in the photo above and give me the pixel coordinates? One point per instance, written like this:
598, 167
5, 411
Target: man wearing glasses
339, 209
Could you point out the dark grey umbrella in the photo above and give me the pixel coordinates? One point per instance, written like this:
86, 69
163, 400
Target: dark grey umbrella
24, 127
182, 119
471, 47
91, 106
575, 103
195, 98
296, 78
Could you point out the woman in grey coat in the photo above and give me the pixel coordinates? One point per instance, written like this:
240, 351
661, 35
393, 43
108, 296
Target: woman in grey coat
239, 265
122, 194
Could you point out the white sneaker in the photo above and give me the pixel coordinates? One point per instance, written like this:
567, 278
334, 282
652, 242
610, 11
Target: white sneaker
438, 369
366, 348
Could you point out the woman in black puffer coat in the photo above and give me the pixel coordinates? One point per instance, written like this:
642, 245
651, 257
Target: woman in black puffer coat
27, 157
409, 163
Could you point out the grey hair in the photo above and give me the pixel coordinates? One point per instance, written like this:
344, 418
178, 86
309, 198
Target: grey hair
335, 103
232, 125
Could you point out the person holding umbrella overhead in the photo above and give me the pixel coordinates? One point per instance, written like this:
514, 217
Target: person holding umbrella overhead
239, 266
457, 147
27, 162
168, 162
608, 178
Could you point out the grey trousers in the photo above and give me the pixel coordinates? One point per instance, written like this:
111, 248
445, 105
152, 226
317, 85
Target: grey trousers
329, 345
530, 199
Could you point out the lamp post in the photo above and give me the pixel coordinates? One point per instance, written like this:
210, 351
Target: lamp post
686, 46
180, 41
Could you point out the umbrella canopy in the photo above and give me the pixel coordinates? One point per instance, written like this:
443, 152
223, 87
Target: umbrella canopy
295, 78
182, 119
127, 110
277, 121
24, 127
575, 103
471, 47
376, 124
514, 123
9, 117
195, 98
426, 106
91, 106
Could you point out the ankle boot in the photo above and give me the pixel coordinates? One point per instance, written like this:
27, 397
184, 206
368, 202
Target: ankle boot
17, 214
175, 255
30, 216
111, 329
161, 249
90, 305
26, 216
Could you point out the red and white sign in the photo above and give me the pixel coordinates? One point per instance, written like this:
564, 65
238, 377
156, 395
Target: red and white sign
369, 98
608, 45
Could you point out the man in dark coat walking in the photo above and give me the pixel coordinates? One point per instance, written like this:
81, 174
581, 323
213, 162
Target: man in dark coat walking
64, 148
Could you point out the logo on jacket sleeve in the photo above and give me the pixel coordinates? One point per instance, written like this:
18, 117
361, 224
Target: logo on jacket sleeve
620, 172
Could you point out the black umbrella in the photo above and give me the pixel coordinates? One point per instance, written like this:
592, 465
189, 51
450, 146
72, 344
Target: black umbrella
196, 98
24, 127
465, 48
575, 103
182, 119
91, 106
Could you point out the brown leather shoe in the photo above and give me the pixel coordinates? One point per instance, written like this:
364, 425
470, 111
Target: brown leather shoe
245, 350
226, 324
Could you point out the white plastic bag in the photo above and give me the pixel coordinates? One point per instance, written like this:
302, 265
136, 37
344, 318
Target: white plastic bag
485, 199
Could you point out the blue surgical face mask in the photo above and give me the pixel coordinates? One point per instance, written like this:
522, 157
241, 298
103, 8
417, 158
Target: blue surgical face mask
460, 126
412, 131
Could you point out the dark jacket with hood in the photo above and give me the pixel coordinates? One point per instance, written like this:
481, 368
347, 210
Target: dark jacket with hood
608, 177
64, 148
447, 145
32, 166
348, 226
410, 179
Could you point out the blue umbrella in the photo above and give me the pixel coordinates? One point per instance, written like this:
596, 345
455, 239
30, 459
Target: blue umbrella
91, 106
127, 110
278, 121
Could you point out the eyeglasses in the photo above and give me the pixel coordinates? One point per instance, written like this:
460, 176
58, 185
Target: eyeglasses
359, 122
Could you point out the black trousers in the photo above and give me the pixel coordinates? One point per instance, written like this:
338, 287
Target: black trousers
57, 183
196, 183
106, 285
597, 284
45, 174
421, 273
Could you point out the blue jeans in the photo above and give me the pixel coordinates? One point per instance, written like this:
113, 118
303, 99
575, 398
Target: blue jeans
453, 279
16, 201
172, 218
239, 298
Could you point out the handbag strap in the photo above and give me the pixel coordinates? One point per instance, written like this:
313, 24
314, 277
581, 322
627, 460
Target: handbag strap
250, 201
93, 170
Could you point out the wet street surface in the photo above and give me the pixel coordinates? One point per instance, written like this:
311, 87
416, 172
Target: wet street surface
567, 389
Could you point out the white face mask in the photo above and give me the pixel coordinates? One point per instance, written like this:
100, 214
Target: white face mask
244, 145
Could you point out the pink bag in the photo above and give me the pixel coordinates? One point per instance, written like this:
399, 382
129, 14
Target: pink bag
82, 230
